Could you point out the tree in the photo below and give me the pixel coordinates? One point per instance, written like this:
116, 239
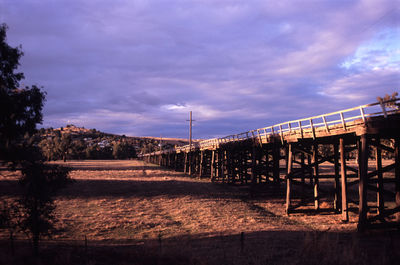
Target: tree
78, 149
148, 148
40, 182
8, 219
391, 105
91, 152
20, 112
21, 109
47, 148
123, 150
64, 145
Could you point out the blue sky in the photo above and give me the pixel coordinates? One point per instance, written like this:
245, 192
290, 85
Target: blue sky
139, 67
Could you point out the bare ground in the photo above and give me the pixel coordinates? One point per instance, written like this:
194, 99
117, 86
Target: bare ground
137, 213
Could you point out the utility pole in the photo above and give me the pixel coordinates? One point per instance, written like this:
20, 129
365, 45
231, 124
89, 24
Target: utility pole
190, 133
190, 142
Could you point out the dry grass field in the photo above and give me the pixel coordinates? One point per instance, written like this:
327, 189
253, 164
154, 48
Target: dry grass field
136, 213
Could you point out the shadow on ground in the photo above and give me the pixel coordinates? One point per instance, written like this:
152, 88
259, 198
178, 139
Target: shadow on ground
266, 247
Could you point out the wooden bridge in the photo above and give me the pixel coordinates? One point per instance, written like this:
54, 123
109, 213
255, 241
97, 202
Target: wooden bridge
351, 142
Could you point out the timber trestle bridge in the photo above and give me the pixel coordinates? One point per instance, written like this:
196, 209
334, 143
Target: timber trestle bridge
360, 146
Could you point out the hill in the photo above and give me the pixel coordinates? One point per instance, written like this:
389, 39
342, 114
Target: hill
72, 142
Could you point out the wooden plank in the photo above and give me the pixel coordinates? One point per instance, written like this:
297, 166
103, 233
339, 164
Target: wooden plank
386, 213
345, 214
381, 170
352, 169
387, 148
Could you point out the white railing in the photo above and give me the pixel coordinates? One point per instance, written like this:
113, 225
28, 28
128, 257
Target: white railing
328, 121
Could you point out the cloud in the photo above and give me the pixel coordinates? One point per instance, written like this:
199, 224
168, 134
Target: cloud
365, 86
139, 67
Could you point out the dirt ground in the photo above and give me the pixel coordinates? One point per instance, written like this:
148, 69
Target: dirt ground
131, 212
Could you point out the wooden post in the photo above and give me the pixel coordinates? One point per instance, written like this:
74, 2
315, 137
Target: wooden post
201, 163
336, 202
316, 176
176, 161
218, 164
309, 162
190, 144
379, 198
228, 165
259, 165
267, 168
287, 156
302, 160
185, 163
363, 178
253, 167
222, 165
196, 162
276, 156
244, 165
190, 160
345, 214
212, 165
288, 178
240, 163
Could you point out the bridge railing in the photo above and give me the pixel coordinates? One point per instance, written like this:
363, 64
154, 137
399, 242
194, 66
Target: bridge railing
329, 121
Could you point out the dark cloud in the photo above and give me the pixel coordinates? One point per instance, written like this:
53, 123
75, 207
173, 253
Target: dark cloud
139, 67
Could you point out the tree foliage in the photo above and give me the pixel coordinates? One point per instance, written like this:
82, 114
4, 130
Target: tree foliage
20, 112
21, 109
387, 97
39, 183
122, 150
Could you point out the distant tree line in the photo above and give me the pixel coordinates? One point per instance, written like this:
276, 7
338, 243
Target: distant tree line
66, 147
73, 143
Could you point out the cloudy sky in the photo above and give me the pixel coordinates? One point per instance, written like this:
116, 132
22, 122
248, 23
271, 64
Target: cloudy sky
138, 67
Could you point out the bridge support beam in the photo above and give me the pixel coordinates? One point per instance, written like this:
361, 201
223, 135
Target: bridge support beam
363, 182
343, 178
289, 178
